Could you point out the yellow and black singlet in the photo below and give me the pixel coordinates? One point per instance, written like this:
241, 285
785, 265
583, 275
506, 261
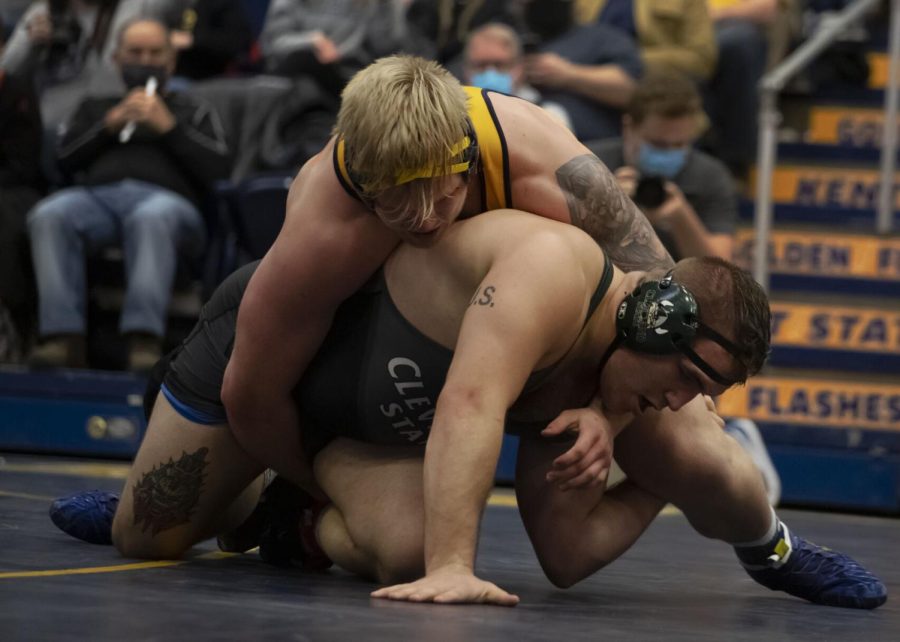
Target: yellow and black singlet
493, 157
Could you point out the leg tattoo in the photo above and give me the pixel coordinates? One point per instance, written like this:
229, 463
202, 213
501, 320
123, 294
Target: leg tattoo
599, 206
167, 495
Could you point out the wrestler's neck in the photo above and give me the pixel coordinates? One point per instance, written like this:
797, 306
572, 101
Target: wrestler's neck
601, 328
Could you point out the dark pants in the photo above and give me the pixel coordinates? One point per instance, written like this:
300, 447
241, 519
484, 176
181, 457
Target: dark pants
17, 288
732, 98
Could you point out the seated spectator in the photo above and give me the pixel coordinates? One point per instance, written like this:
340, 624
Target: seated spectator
66, 47
671, 34
687, 195
732, 99
20, 182
493, 60
142, 163
322, 39
210, 36
590, 70
448, 23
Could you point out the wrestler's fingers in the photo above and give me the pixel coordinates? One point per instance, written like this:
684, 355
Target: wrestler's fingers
578, 452
563, 423
594, 475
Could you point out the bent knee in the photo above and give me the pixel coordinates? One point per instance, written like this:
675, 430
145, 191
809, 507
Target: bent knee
131, 541
564, 566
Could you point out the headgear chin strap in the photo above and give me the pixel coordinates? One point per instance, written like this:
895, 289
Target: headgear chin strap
662, 317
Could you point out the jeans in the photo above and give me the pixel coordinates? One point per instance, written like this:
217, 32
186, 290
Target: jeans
150, 223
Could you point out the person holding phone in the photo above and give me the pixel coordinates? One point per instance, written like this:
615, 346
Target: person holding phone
687, 195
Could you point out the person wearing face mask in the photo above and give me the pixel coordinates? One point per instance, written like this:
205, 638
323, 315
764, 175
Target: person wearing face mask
141, 163
493, 60
66, 48
687, 195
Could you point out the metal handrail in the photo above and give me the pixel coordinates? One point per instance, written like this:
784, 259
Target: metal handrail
769, 118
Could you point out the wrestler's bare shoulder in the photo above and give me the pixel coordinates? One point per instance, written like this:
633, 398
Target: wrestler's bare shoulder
316, 193
503, 233
537, 143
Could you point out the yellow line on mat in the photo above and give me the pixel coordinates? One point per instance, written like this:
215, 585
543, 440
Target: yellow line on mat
42, 498
111, 471
137, 566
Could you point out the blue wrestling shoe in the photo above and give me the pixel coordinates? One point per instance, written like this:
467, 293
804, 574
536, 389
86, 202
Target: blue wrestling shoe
87, 515
818, 574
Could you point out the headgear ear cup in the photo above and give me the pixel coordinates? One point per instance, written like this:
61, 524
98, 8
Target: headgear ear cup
658, 317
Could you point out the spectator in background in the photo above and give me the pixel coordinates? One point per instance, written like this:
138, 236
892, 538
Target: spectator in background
210, 36
493, 60
140, 192
671, 34
448, 23
687, 195
732, 98
20, 185
590, 70
66, 47
322, 39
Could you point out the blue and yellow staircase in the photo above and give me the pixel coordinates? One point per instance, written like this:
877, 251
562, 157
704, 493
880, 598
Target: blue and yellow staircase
828, 403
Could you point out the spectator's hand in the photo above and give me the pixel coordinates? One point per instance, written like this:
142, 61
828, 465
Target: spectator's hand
182, 40
586, 464
324, 48
547, 70
627, 178
116, 118
39, 28
674, 206
449, 585
148, 110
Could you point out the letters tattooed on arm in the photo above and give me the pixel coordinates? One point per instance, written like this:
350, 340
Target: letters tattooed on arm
484, 297
166, 496
599, 206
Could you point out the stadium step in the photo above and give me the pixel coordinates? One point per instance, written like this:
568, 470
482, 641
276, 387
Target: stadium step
825, 336
834, 442
827, 262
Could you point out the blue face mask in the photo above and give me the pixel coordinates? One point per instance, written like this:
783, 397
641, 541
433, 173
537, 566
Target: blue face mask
667, 163
494, 80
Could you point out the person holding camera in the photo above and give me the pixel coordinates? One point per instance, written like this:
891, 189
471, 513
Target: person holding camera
66, 48
687, 195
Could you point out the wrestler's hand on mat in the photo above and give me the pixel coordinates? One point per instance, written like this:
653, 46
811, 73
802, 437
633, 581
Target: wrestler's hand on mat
449, 585
586, 464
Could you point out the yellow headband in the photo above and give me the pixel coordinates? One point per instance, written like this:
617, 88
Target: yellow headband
431, 172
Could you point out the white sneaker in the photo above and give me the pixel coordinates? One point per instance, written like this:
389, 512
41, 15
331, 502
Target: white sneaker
747, 435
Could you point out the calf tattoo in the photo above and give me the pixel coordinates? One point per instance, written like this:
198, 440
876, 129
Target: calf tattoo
599, 206
166, 496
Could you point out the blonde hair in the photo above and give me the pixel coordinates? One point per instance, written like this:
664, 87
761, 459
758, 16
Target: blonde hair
402, 114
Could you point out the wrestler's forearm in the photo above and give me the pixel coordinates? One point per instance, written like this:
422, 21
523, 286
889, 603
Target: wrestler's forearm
273, 439
599, 206
460, 461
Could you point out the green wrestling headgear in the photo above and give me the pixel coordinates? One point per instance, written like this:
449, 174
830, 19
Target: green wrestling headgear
662, 317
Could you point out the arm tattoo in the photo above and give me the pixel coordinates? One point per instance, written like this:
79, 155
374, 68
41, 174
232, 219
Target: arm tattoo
599, 207
166, 496
484, 297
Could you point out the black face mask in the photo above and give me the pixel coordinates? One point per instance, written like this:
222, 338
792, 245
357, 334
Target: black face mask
137, 75
548, 19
